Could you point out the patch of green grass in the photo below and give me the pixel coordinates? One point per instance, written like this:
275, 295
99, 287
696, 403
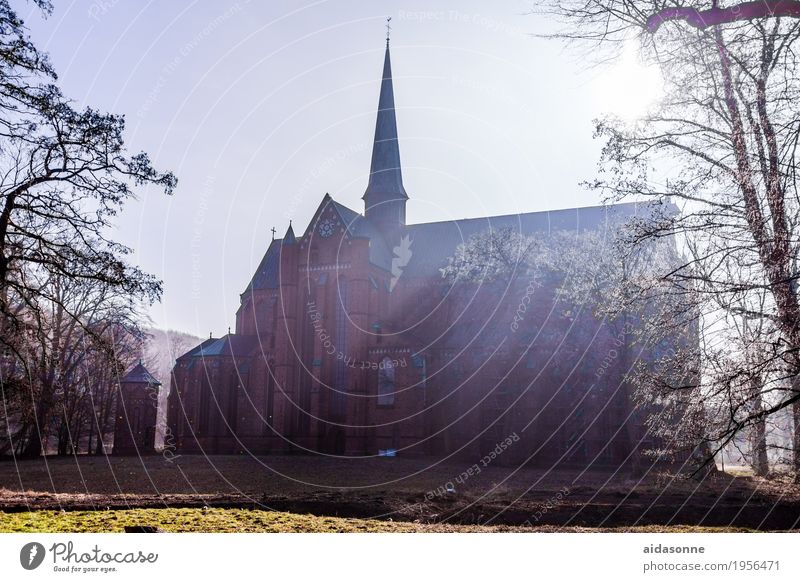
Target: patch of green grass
251, 520
186, 520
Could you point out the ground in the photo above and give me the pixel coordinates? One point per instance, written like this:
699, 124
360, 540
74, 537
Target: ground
234, 520
305, 493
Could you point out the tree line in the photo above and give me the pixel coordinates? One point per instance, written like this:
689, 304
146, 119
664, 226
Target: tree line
70, 302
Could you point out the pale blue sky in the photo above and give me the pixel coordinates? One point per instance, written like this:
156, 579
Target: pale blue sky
262, 107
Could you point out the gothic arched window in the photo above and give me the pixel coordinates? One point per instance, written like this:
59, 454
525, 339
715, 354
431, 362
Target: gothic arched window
386, 384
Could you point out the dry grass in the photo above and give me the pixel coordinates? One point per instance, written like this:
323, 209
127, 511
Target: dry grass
257, 521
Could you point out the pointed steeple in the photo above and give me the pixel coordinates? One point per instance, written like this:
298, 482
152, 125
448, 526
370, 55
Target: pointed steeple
385, 197
289, 238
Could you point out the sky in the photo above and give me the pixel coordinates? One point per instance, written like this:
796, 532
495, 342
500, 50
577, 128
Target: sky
260, 108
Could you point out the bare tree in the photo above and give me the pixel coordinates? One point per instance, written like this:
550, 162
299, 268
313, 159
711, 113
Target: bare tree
77, 344
64, 175
722, 143
716, 15
66, 288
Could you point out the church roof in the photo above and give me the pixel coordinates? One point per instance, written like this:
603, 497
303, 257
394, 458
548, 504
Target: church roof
266, 275
434, 242
349, 217
228, 345
385, 175
139, 375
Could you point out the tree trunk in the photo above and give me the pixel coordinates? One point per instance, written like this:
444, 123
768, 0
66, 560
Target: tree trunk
796, 439
33, 448
630, 413
92, 421
99, 449
62, 438
758, 432
758, 447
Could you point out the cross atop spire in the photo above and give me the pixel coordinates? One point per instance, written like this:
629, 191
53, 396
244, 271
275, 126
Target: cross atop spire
388, 29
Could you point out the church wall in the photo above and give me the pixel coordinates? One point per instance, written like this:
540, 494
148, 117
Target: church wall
554, 371
566, 410
400, 424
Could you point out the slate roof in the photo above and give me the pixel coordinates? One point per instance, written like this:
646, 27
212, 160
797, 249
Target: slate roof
228, 345
266, 275
140, 375
350, 218
434, 242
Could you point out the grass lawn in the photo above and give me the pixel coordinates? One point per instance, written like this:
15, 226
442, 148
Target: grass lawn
253, 520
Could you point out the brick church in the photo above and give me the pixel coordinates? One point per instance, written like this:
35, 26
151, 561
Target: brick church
348, 341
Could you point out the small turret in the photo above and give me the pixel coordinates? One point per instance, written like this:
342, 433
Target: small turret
137, 412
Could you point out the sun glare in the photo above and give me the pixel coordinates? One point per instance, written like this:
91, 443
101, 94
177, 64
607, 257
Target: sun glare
627, 88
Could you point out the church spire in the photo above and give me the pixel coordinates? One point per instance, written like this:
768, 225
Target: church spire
385, 197
289, 238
